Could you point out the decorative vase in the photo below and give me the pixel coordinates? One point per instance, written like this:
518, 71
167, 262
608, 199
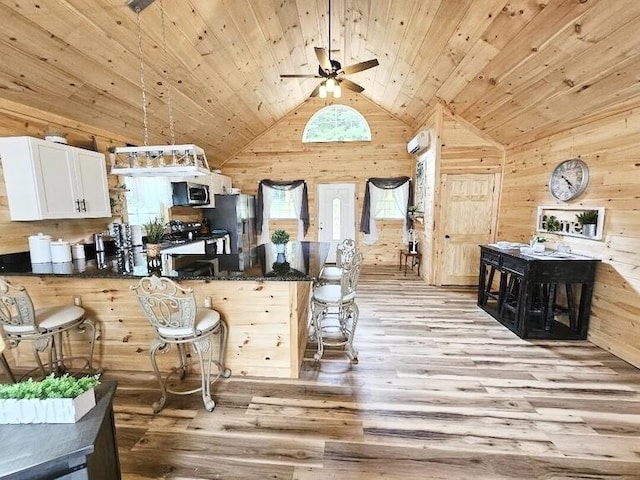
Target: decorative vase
280, 247
153, 249
589, 229
51, 410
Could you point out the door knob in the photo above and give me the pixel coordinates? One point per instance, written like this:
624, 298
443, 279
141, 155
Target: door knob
447, 236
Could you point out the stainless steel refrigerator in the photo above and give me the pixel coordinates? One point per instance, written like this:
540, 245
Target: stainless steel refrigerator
237, 215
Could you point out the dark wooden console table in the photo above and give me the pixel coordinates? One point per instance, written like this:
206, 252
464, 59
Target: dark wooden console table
520, 291
83, 450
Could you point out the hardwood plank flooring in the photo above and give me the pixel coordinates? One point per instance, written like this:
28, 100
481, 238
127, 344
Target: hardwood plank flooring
442, 391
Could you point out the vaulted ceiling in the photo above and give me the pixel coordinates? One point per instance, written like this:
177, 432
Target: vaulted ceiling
516, 69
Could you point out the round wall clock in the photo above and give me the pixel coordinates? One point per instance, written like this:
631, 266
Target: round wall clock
569, 179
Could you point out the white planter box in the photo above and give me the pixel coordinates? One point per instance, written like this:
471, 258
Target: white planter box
52, 410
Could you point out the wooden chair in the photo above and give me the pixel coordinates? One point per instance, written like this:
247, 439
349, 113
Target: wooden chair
337, 302
43, 327
173, 313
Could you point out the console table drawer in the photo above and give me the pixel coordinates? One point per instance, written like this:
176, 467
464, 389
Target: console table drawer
491, 258
514, 265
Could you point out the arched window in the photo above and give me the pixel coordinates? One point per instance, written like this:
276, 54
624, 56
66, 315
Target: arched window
336, 123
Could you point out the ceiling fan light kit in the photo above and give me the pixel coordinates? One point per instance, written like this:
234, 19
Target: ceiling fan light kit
157, 160
332, 72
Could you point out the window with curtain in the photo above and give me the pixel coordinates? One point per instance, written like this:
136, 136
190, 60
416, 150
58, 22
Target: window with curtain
282, 199
387, 198
283, 204
337, 123
147, 198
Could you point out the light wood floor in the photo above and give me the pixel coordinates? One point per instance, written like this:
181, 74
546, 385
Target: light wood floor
442, 391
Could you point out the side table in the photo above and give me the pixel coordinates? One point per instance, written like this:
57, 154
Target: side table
415, 257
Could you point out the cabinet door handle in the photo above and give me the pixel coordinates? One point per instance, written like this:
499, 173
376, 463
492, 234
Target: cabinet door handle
447, 236
84, 205
78, 205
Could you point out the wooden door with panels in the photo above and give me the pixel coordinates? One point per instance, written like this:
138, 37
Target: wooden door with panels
336, 214
467, 219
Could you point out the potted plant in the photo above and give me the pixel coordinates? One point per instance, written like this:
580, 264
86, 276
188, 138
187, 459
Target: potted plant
588, 220
279, 238
551, 223
54, 399
155, 231
414, 212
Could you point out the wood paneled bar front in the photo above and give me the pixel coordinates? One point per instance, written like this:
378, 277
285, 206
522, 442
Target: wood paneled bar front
264, 300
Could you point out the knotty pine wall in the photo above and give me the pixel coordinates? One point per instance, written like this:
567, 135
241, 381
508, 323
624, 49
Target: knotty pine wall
279, 154
611, 149
18, 120
456, 148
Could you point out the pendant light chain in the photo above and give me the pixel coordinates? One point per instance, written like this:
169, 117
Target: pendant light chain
166, 77
142, 84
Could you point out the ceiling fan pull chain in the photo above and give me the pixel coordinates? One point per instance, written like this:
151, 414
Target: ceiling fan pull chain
172, 132
142, 84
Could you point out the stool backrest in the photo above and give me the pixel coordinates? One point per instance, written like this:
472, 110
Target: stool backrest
344, 251
168, 307
351, 273
16, 309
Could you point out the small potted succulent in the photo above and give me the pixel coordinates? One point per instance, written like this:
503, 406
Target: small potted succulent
279, 238
155, 231
588, 220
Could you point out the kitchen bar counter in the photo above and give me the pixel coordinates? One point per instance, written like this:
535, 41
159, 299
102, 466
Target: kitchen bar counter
302, 261
266, 308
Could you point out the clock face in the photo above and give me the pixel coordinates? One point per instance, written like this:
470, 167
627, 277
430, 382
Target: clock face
569, 179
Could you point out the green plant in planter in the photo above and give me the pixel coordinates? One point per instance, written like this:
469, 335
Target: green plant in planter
65, 386
552, 224
154, 230
279, 237
588, 217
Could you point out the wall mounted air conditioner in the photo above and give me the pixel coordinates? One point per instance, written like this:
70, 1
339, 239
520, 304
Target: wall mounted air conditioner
419, 143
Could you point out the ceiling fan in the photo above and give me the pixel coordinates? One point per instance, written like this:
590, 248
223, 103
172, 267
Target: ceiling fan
333, 72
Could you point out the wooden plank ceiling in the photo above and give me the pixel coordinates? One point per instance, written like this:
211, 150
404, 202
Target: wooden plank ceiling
517, 69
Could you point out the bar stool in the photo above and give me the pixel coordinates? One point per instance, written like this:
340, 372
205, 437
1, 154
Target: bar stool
4, 362
344, 253
43, 327
337, 302
173, 313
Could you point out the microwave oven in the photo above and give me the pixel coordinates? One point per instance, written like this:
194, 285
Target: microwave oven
190, 194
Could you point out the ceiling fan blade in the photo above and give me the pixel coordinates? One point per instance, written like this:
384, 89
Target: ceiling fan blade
323, 58
348, 84
299, 75
358, 67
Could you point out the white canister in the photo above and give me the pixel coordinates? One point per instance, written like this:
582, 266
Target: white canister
40, 248
60, 251
77, 251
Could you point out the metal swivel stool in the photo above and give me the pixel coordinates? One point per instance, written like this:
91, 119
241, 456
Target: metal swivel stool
334, 312
4, 362
173, 313
333, 273
43, 327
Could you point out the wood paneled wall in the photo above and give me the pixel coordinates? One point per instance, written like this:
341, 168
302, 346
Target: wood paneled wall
457, 148
609, 146
17, 120
279, 154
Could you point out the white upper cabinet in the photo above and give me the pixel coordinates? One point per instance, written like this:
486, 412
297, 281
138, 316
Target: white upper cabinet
46, 180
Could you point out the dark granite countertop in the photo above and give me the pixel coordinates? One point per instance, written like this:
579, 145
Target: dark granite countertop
302, 261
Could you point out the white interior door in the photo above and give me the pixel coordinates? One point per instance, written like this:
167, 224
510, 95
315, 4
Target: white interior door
336, 214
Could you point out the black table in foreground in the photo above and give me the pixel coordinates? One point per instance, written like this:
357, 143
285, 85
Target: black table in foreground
83, 450
526, 297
